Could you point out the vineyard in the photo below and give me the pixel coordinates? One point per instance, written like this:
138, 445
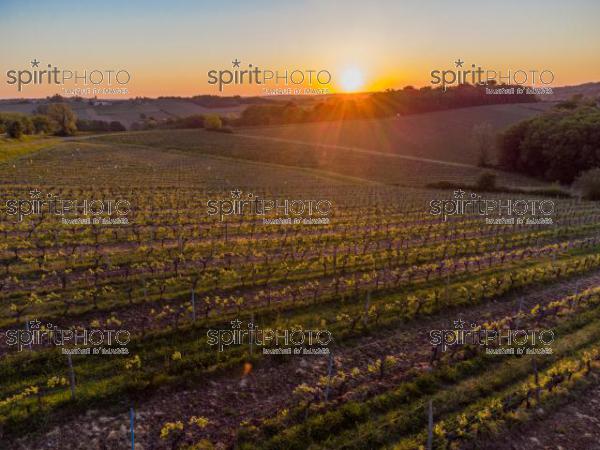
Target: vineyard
379, 275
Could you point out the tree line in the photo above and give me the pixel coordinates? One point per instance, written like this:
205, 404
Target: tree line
562, 145
377, 105
52, 118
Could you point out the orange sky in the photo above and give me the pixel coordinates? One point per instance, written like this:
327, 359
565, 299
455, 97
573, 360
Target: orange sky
169, 48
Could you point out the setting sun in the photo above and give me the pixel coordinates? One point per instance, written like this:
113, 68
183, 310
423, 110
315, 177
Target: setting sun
352, 79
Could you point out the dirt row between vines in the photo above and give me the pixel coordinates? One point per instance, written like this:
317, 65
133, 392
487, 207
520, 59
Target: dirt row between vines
573, 426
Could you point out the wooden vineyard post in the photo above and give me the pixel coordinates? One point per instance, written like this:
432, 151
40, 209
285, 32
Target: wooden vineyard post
517, 322
193, 305
367, 303
329, 373
448, 287
71, 375
430, 426
537, 381
131, 427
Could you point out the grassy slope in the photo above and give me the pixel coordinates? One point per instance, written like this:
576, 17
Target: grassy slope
14, 148
374, 167
444, 135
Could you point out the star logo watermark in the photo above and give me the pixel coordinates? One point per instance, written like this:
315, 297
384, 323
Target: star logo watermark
35, 193
459, 324
35, 324
236, 62
459, 194
236, 324
236, 193
35, 63
459, 62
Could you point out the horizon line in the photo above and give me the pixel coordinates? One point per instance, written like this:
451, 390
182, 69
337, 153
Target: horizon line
249, 96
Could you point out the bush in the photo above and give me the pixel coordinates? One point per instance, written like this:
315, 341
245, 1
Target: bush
180, 123
92, 125
195, 121
486, 181
27, 125
41, 124
212, 122
99, 125
116, 126
588, 183
7, 119
15, 129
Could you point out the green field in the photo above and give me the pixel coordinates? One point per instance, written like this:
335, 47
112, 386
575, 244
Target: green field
16, 148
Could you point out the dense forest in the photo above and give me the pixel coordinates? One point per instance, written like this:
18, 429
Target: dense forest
556, 146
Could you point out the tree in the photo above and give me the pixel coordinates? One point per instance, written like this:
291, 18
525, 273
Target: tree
41, 124
483, 138
62, 115
15, 129
588, 183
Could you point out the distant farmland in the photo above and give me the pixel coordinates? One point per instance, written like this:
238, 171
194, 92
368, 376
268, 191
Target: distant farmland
128, 111
444, 135
407, 151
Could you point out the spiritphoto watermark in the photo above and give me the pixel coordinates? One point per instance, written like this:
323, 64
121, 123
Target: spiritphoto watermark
90, 211
476, 75
289, 81
496, 211
92, 341
280, 341
510, 341
89, 81
281, 211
